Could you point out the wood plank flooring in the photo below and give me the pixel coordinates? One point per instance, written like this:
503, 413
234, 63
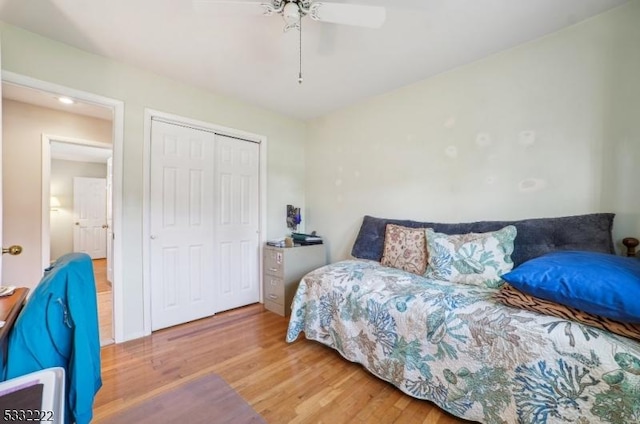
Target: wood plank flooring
301, 382
100, 274
105, 301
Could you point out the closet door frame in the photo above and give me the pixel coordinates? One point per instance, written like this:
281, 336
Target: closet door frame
261, 140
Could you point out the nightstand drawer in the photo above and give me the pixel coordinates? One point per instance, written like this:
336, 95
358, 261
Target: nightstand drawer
273, 262
274, 289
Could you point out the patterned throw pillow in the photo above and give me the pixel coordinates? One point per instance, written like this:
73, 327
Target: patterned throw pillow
477, 259
405, 248
511, 296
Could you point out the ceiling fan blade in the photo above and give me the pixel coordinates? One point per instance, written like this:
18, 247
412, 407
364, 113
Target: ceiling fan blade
348, 14
208, 6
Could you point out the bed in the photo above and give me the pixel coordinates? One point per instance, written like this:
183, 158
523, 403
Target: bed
459, 346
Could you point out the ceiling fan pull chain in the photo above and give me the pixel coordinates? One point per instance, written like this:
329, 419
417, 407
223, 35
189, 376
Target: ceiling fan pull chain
300, 53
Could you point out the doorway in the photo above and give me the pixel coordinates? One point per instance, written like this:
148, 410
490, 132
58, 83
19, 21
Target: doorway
115, 109
78, 174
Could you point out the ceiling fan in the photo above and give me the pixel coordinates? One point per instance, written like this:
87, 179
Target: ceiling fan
292, 11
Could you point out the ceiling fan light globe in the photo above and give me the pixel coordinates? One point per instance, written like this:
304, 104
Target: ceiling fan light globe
291, 13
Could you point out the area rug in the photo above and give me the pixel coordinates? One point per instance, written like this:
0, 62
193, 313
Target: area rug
208, 399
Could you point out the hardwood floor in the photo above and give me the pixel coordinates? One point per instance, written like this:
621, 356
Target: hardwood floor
301, 382
105, 301
105, 317
100, 274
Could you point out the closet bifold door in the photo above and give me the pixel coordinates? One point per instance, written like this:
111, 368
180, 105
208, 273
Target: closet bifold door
181, 224
237, 247
204, 223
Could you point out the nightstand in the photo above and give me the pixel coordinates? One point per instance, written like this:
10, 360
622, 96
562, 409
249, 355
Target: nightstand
283, 269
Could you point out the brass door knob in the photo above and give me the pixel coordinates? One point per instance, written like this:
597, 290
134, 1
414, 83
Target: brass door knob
12, 250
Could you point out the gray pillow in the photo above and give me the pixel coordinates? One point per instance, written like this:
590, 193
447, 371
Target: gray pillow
535, 237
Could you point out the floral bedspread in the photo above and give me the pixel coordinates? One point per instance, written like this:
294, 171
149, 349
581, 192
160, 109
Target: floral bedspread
478, 359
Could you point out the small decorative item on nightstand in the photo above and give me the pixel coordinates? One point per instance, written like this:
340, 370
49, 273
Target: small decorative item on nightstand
293, 217
630, 243
283, 269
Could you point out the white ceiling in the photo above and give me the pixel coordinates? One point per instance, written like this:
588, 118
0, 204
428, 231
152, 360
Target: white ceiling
234, 51
50, 100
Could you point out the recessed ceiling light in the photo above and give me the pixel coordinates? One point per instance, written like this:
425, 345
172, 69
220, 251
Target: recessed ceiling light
66, 100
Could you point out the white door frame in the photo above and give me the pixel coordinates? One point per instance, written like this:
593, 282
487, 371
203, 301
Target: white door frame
150, 114
117, 106
46, 186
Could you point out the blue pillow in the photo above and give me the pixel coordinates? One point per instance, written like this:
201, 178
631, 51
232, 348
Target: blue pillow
598, 283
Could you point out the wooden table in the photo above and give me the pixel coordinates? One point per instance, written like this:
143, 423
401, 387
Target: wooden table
10, 307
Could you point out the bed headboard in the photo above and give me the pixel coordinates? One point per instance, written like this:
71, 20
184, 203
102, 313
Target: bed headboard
535, 236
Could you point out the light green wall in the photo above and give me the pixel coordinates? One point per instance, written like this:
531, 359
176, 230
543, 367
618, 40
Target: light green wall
621, 135
549, 128
41, 58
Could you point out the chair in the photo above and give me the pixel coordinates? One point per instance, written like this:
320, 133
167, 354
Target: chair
58, 327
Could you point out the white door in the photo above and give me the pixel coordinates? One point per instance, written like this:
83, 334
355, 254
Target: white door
237, 247
90, 216
181, 225
110, 220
